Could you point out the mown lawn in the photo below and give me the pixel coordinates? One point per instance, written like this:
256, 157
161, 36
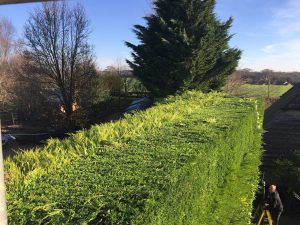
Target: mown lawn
261, 91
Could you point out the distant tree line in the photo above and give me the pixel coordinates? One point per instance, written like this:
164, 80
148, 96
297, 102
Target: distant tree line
268, 76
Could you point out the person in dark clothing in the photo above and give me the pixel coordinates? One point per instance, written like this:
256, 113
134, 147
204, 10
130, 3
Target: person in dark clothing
275, 204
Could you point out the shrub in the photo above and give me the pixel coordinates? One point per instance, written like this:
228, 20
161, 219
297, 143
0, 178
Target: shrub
191, 159
286, 174
183, 46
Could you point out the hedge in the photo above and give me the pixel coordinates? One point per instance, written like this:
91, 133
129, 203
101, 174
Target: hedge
191, 159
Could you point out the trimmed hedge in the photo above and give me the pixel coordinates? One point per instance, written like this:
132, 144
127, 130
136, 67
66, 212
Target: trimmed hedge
192, 159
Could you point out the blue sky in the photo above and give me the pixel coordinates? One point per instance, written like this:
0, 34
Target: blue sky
268, 31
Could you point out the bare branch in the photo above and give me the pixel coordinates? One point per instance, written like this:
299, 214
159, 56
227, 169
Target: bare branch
58, 49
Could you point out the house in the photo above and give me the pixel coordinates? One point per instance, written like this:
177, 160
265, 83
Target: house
282, 125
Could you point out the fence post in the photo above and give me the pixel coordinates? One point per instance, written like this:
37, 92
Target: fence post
3, 213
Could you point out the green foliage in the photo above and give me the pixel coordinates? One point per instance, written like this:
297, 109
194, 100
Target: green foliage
95, 92
287, 172
182, 47
132, 84
115, 80
191, 159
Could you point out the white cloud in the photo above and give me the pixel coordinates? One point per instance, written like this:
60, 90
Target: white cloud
289, 46
286, 18
269, 48
286, 63
284, 56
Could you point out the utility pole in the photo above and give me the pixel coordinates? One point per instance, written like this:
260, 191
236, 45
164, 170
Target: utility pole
3, 213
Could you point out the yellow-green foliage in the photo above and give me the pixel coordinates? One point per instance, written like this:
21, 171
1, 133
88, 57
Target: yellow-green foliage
192, 159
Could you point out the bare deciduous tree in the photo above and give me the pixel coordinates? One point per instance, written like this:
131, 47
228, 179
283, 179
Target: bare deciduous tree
268, 78
7, 37
234, 81
58, 52
7, 46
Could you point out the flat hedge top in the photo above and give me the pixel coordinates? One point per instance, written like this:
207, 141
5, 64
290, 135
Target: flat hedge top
115, 171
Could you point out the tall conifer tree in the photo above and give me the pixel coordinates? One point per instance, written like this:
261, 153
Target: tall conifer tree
183, 46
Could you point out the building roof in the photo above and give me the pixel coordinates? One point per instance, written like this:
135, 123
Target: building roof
282, 103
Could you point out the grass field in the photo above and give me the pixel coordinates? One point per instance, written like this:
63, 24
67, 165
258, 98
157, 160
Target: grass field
261, 91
